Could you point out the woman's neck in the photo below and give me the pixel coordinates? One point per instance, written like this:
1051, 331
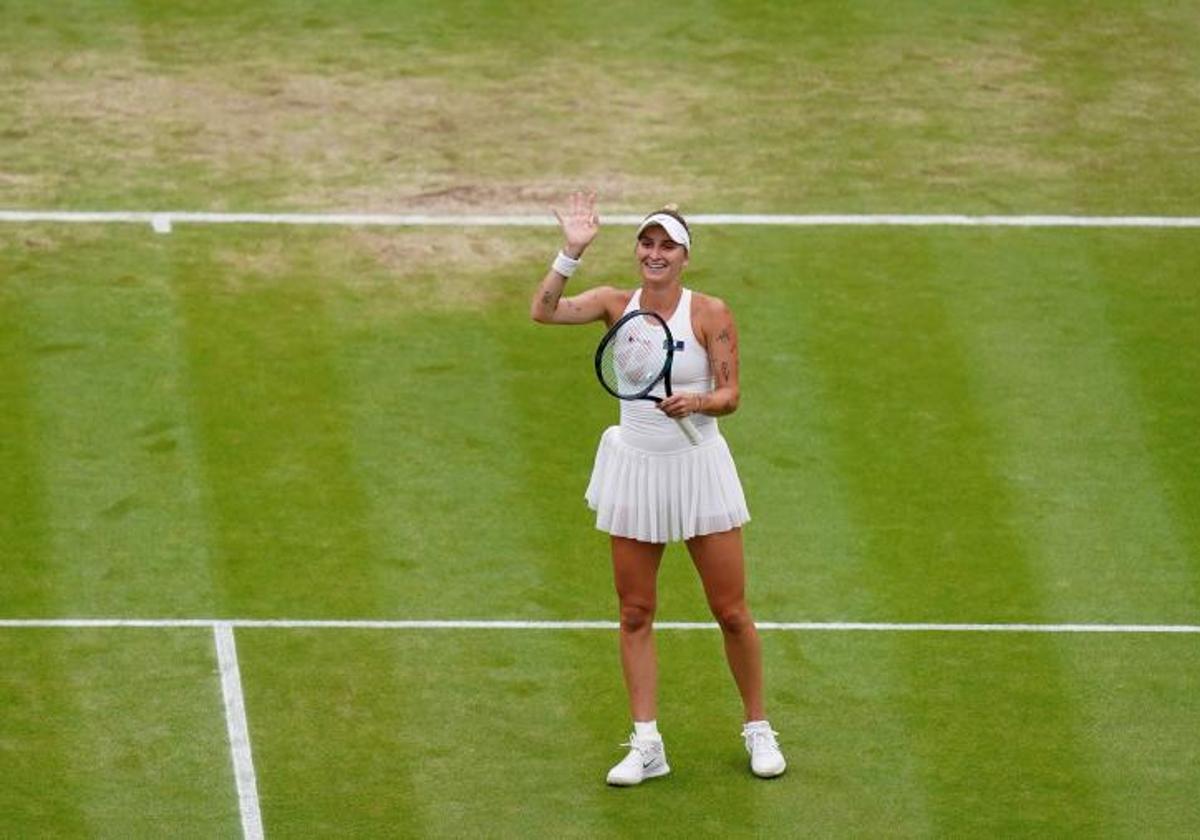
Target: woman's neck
661, 297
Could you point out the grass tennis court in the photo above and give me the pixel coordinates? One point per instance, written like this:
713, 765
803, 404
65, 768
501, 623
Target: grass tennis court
937, 425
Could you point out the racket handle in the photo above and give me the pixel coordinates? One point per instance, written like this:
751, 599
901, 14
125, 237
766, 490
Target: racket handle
689, 429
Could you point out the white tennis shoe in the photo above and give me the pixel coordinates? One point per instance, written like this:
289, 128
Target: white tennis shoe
766, 759
646, 760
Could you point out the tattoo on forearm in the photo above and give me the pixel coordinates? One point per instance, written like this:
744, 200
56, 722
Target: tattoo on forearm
549, 299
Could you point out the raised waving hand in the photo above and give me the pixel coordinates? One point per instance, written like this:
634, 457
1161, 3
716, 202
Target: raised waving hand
580, 223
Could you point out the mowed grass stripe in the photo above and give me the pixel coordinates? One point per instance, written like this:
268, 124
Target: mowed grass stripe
806, 554
1152, 309
804, 546
330, 745
109, 735
34, 746
1086, 506
24, 526
286, 517
123, 521
908, 440
31, 683
919, 458
441, 461
1143, 295
1141, 708
1089, 499
1069, 420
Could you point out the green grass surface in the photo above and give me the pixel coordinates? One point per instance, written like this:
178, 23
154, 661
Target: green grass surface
982, 738
941, 425
977, 426
937, 426
113, 734
913, 735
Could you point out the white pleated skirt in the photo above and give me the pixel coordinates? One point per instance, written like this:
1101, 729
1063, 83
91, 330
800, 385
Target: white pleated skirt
663, 489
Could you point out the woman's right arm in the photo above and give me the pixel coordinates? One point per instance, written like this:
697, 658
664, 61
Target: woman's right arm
580, 224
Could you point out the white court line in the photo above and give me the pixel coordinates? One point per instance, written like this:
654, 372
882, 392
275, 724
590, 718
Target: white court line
162, 221
503, 624
239, 732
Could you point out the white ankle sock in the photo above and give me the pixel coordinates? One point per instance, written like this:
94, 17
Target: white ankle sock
646, 729
756, 724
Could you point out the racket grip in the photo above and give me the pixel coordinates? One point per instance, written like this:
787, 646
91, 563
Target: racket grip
689, 429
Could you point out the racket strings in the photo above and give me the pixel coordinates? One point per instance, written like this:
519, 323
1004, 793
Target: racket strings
634, 358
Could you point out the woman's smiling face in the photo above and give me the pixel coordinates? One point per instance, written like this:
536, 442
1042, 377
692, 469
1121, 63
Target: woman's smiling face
659, 257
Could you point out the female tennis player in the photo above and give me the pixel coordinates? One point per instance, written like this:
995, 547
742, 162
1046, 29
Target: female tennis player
650, 485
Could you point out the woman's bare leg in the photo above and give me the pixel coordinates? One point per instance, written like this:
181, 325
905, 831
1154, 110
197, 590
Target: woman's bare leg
635, 573
722, 567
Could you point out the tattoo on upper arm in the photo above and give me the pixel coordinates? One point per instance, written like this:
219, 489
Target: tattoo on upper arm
723, 363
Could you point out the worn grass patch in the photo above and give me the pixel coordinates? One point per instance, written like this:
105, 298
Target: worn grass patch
391, 273
752, 108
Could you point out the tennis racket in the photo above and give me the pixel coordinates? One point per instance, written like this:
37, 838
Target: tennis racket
634, 356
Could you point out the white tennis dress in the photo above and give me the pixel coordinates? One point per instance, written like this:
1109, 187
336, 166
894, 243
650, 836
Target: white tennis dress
649, 482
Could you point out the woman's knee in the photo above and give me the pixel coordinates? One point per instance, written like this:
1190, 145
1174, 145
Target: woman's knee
734, 619
636, 616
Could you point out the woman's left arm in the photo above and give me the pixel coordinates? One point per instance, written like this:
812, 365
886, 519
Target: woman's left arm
719, 336
721, 341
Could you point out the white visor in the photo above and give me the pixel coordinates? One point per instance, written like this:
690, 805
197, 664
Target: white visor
672, 226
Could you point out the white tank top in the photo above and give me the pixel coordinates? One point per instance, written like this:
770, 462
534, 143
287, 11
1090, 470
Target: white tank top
689, 372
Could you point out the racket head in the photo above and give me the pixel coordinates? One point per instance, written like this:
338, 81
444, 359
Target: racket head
635, 355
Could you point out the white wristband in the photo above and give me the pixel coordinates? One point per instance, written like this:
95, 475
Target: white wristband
565, 265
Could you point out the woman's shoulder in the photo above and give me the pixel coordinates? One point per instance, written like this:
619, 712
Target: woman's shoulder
710, 315
614, 300
620, 297
708, 306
